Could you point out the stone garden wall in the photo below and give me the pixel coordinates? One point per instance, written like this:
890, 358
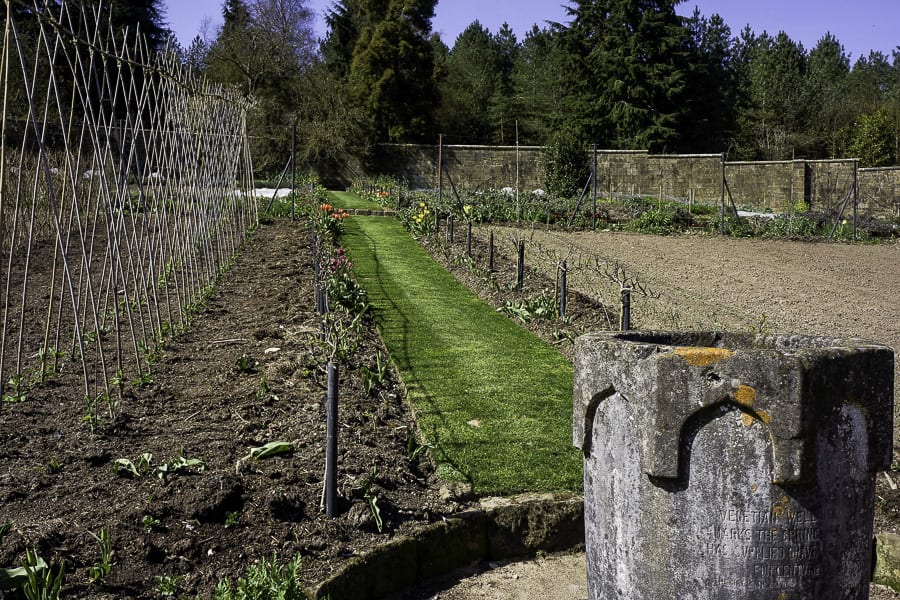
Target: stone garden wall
764, 185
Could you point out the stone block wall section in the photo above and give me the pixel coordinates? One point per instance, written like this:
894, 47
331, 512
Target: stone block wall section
764, 185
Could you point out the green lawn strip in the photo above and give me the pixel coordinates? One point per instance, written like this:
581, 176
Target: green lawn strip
462, 361
350, 201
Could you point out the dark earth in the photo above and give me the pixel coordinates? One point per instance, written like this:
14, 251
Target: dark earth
249, 371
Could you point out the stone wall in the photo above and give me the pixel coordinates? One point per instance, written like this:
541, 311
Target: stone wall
474, 167
879, 190
767, 185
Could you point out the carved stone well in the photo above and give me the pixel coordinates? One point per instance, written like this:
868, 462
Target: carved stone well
721, 466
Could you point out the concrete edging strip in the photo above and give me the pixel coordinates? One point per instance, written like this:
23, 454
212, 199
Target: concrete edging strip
500, 528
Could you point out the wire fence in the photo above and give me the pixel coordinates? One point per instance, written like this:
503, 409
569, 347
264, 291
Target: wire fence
125, 191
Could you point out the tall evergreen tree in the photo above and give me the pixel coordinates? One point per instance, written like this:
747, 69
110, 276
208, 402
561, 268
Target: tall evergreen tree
343, 22
778, 109
826, 96
502, 102
712, 93
629, 68
392, 73
540, 76
470, 83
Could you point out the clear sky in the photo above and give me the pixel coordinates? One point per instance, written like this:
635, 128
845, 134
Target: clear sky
860, 25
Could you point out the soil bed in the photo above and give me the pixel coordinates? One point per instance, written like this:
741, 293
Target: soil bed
249, 371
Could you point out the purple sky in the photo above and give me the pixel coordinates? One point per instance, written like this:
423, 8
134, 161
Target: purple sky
860, 25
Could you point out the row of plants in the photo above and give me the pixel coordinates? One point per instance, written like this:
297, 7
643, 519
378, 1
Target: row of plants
643, 214
342, 331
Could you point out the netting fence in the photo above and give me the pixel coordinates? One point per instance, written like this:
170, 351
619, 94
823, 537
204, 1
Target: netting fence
125, 191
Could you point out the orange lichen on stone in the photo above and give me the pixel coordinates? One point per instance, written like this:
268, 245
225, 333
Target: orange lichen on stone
746, 396
702, 357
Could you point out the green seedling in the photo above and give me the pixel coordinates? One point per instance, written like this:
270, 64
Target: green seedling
263, 389
232, 519
177, 464
372, 499
124, 466
41, 583
99, 572
142, 380
17, 389
265, 579
374, 378
168, 586
270, 449
245, 364
150, 523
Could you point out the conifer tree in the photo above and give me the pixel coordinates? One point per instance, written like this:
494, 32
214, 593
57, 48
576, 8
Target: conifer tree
629, 61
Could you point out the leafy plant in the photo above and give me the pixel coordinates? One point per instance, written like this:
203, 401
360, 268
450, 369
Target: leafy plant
265, 580
54, 467
413, 447
168, 585
270, 449
17, 389
418, 219
374, 378
31, 577
178, 464
541, 306
40, 583
232, 518
150, 523
124, 466
342, 336
372, 499
101, 570
343, 291
662, 220
565, 165
90, 416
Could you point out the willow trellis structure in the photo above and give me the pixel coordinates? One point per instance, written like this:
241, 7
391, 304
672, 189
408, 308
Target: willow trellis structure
125, 191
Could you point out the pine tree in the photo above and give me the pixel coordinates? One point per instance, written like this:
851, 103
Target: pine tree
502, 102
540, 76
826, 96
470, 82
711, 95
392, 73
629, 61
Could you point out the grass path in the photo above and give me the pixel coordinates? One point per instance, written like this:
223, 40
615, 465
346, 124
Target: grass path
493, 400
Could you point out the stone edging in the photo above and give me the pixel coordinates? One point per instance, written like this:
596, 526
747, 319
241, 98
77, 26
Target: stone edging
887, 560
369, 212
500, 528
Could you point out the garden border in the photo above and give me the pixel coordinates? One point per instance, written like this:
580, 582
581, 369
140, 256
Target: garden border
501, 528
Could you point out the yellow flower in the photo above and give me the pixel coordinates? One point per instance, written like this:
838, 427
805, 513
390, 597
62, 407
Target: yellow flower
427, 212
421, 205
467, 208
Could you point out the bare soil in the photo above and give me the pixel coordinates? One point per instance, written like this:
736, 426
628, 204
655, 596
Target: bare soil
249, 371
